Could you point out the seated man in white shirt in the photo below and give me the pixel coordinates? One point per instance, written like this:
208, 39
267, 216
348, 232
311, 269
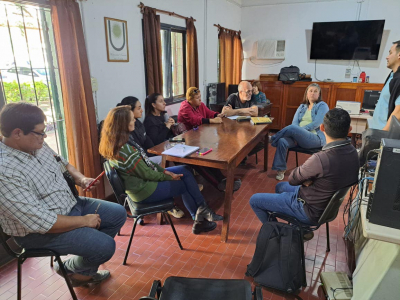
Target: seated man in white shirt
38, 208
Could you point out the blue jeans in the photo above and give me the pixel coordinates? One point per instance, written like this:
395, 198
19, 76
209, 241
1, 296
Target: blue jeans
284, 201
289, 137
187, 187
91, 247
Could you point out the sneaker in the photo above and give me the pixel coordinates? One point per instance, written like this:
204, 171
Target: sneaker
200, 186
236, 185
280, 175
176, 213
100, 276
308, 236
206, 213
203, 226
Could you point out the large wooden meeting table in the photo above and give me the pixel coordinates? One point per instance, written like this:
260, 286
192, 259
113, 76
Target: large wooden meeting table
231, 142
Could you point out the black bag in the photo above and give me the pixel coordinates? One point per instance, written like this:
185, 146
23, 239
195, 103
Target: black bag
277, 261
289, 74
67, 176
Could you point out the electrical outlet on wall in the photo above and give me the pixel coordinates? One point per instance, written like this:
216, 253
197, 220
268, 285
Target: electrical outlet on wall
95, 86
348, 72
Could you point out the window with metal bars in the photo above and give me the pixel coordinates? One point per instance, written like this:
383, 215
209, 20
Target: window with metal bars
173, 48
28, 66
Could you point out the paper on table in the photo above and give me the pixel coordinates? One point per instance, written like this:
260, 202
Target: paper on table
233, 117
180, 150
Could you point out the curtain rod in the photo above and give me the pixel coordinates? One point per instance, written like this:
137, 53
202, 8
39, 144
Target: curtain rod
220, 27
142, 6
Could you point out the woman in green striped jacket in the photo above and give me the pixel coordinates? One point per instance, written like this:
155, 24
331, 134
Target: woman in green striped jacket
148, 182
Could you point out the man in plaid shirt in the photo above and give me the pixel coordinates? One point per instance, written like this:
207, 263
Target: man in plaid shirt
37, 206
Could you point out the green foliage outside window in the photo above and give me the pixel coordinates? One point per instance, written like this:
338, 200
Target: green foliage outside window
12, 93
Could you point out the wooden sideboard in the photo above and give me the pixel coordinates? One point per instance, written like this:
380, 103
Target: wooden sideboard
286, 98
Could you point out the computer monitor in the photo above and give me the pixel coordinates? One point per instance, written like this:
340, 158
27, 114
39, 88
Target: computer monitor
370, 99
394, 129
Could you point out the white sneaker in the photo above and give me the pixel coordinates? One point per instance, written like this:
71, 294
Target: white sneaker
280, 175
176, 212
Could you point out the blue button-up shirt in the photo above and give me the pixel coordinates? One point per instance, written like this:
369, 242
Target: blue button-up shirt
382, 107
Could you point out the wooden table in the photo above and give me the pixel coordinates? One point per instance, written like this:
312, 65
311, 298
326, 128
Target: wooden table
231, 142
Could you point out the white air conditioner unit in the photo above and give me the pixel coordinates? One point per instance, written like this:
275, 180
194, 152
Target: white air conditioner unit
270, 49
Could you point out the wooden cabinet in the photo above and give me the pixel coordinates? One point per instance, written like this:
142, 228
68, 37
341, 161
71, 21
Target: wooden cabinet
286, 98
274, 92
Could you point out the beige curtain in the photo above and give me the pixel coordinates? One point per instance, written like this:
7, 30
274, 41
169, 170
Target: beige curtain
152, 47
230, 57
80, 118
192, 56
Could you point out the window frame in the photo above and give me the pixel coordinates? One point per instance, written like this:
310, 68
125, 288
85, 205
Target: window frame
173, 28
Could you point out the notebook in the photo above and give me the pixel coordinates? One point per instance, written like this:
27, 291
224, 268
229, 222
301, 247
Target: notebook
181, 150
261, 120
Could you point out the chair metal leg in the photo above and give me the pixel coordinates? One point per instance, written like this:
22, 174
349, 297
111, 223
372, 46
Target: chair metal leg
119, 232
65, 275
256, 159
167, 216
51, 261
19, 284
297, 160
287, 155
130, 240
328, 245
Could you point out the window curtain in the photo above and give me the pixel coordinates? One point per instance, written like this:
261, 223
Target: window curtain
152, 47
230, 57
80, 118
192, 56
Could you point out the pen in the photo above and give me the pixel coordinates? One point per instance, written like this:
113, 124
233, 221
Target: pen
95, 212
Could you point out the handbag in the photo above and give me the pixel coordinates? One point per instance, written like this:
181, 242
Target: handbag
178, 128
289, 75
67, 176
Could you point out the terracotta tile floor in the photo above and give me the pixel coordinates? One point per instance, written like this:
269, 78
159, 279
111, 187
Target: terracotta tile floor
155, 254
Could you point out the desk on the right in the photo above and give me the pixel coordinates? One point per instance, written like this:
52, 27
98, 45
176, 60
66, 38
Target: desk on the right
377, 251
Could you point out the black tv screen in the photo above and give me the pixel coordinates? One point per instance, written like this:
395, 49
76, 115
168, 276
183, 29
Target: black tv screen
358, 40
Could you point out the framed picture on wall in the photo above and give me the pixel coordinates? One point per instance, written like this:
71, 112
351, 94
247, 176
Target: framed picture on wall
116, 40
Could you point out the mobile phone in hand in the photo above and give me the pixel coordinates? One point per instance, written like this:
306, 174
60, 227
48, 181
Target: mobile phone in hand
204, 150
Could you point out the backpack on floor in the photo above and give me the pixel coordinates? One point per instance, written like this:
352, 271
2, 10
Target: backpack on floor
277, 261
289, 74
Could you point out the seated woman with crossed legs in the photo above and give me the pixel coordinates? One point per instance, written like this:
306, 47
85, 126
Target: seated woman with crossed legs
304, 131
148, 182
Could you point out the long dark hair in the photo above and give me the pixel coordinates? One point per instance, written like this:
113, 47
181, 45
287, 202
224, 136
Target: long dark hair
130, 100
305, 99
148, 107
115, 131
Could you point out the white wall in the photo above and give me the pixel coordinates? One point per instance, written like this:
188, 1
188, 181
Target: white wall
293, 22
118, 79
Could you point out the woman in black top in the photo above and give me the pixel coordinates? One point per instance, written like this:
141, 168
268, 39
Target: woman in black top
156, 127
139, 135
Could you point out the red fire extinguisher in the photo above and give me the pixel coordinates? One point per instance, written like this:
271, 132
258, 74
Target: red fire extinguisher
362, 76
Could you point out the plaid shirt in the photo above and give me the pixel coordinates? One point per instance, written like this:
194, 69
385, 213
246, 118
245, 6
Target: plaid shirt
33, 191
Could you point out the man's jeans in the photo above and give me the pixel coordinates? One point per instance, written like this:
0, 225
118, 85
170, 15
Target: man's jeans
284, 201
91, 247
186, 186
289, 137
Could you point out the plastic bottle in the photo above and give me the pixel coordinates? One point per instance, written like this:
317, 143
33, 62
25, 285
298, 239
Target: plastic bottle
367, 79
362, 76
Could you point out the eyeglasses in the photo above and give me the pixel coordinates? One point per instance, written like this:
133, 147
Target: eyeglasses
249, 92
42, 134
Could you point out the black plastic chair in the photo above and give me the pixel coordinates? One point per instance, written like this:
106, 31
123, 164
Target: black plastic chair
301, 150
138, 210
180, 288
330, 213
27, 253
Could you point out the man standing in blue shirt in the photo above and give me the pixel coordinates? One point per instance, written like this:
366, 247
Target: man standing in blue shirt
389, 101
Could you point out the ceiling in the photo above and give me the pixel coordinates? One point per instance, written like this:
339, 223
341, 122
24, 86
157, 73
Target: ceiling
249, 3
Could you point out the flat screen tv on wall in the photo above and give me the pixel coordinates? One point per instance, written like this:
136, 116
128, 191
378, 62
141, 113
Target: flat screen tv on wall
358, 40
